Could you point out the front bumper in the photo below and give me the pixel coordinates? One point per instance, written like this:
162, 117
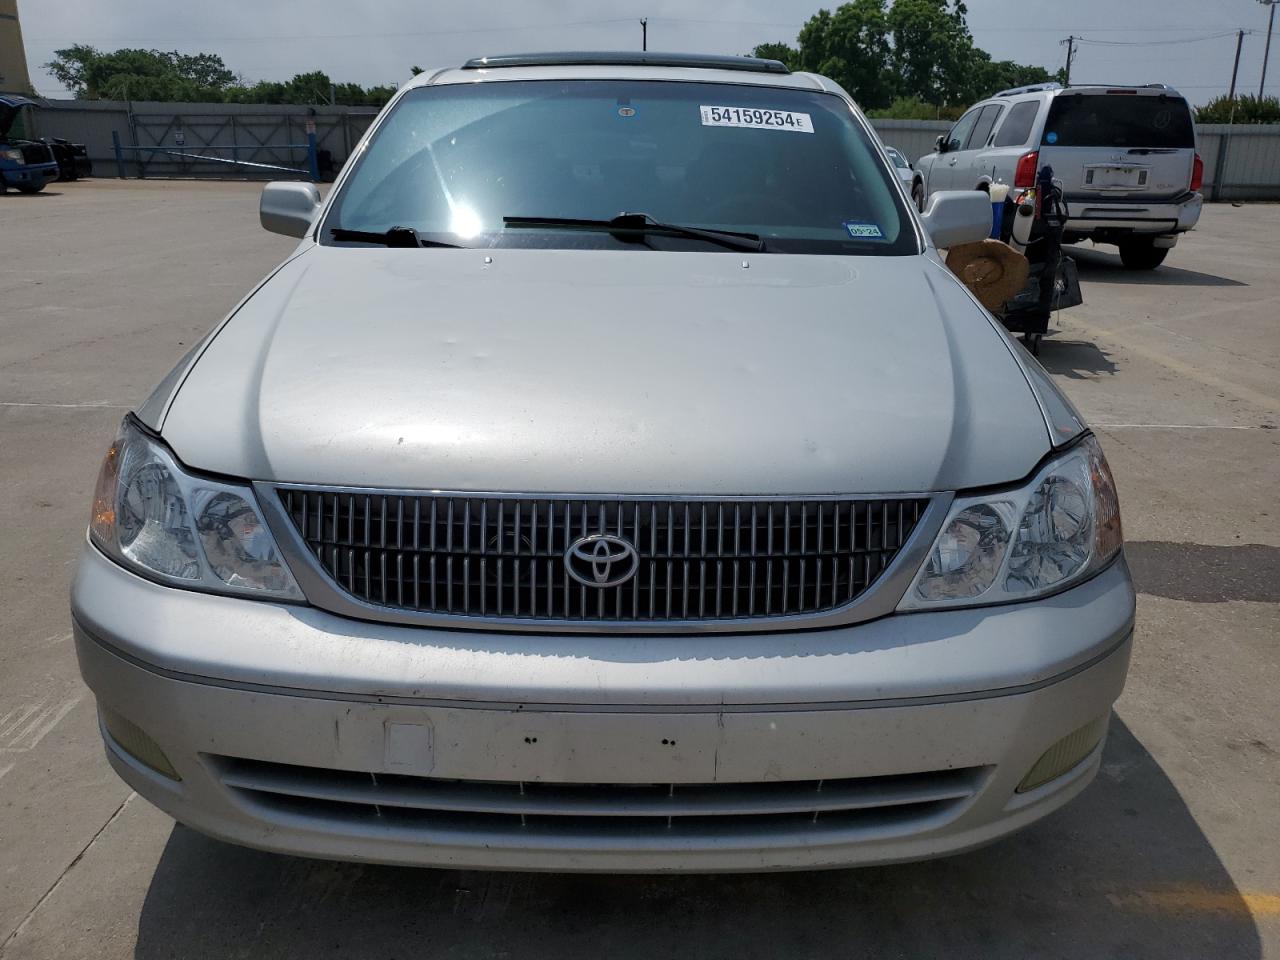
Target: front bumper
305, 733
1087, 216
29, 174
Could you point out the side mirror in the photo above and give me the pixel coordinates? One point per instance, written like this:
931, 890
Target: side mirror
958, 216
940, 143
288, 207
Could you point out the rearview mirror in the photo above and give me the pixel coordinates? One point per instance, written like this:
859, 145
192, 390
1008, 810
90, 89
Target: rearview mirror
940, 143
288, 207
958, 216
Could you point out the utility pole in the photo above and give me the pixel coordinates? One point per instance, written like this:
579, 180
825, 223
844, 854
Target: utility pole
1224, 142
1071, 49
1235, 70
644, 33
1266, 54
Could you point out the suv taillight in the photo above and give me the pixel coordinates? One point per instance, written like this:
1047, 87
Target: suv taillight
1025, 175
1197, 174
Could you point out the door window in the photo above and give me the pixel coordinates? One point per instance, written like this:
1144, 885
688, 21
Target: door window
982, 129
1016, 129
960, 132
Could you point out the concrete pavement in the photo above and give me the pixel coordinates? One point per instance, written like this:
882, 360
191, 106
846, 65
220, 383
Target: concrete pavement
1174, 852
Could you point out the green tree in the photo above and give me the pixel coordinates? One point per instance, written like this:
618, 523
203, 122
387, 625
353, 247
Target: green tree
933, 50
851, 46
913, 55
135, 74
138, 74
778, 51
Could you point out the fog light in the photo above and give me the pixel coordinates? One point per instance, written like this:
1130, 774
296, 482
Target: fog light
1065, 754
130, 738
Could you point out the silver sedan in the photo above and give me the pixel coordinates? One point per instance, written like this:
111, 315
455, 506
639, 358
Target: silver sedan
612, 479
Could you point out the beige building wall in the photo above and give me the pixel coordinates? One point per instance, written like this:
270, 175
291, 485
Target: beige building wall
14, 77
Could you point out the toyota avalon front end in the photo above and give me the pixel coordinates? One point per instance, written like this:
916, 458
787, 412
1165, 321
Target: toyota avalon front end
613, 479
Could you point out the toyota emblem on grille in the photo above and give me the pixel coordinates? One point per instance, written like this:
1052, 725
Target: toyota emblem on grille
601, 560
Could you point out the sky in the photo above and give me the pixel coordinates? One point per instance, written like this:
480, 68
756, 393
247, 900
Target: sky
1189, 44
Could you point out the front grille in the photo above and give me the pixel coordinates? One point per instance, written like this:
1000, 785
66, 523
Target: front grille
697, 560
595, 809
36, 153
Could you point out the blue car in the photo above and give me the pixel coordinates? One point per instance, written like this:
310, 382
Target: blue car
26, 165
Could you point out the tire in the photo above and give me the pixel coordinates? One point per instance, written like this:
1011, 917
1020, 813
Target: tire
31, 187
917, 194
1142, 254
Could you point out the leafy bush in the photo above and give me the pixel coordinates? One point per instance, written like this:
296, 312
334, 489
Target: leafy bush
913, 108
1249, 109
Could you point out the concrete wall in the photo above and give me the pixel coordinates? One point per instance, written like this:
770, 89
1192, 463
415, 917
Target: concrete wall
1245, 166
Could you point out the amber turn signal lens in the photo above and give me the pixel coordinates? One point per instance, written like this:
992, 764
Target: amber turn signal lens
1065, 754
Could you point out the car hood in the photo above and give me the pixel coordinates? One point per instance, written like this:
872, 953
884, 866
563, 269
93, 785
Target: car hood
609, 372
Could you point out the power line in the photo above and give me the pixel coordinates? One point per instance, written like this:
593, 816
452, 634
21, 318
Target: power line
1161, 43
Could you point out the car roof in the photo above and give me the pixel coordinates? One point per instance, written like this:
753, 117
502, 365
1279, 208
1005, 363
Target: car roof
622, 65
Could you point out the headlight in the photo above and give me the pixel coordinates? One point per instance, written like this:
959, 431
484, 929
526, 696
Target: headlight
11, 155
1059, 529
187, 531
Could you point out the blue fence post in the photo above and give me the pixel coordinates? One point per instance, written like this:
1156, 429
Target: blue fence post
115, 145
313, 159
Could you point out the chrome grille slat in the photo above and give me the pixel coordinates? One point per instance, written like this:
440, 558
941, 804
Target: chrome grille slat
486, 556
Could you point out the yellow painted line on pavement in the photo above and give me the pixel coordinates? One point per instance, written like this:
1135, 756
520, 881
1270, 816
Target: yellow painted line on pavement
1178, 366
1201, 900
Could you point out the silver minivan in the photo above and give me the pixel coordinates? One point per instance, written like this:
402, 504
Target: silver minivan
1125, 158
613, 478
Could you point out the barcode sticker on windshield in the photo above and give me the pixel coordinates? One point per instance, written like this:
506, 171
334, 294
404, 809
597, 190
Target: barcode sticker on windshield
757, 118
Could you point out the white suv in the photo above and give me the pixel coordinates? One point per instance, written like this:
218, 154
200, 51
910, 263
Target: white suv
1125, 157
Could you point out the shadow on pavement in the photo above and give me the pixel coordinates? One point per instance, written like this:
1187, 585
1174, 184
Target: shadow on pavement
1205, 574
1123, 871
1077, 359
1098, 266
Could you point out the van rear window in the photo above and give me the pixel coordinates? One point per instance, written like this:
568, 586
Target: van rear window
1118, 120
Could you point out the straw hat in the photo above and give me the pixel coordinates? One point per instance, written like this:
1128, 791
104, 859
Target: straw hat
994, 271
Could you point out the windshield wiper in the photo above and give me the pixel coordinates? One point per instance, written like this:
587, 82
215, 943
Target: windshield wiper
638, 225
395, 237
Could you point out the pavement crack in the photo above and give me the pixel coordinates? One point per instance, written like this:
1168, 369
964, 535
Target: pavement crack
30, 914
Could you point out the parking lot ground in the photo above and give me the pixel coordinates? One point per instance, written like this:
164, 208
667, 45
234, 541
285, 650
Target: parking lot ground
1173, 852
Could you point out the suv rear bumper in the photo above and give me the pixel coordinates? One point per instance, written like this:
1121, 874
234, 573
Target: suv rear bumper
1088, 216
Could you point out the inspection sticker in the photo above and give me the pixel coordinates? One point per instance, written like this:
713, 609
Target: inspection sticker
863, 231
757, 118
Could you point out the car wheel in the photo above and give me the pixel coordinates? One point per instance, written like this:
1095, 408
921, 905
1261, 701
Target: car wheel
1142, 254
917, 194
31, 187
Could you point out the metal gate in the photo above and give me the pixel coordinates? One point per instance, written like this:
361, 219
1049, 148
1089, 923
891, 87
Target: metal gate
249, 145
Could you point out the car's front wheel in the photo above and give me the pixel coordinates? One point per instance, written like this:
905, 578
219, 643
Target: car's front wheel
1141, 253
917, 194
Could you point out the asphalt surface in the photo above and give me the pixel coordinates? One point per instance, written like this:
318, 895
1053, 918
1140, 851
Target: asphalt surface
1173, 852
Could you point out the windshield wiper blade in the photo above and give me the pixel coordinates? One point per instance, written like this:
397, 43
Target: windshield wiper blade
640, 224
395, 237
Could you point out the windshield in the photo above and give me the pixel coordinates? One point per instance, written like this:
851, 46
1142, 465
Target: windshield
794, 167
1119, 120
898, 159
